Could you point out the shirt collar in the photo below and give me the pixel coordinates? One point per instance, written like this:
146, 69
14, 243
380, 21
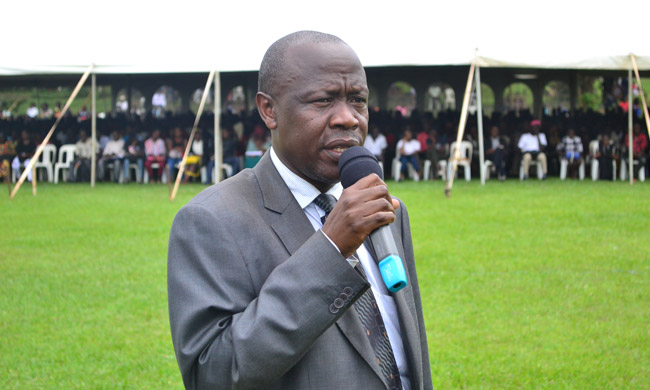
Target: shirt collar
303, 191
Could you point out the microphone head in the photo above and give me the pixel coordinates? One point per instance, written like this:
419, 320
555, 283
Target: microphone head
355, 163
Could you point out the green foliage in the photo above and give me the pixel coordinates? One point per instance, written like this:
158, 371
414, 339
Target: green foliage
524, 285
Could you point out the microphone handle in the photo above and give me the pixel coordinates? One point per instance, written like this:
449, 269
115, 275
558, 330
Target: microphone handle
390, 263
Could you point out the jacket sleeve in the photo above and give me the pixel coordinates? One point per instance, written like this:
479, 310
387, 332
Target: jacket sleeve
227, 336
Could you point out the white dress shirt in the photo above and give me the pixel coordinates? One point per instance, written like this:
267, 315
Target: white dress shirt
114, 147
375, 145
529, 142
410, 147
305, 193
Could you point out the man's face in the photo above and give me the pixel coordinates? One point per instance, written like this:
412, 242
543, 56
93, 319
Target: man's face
535, 129
319, 109
494, 131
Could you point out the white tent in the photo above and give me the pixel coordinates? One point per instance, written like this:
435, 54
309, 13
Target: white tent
129, 37
198, 36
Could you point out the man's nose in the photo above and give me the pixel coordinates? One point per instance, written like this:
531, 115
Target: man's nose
344, 116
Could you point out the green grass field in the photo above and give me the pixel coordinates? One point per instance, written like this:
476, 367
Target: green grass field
534, 285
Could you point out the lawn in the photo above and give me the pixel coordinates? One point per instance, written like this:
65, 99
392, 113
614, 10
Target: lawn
525, 285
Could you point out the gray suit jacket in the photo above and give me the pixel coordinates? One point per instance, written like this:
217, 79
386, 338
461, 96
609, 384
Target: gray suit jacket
251, 287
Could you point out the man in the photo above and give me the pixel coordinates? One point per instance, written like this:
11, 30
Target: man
262, 294
376, 143
25, 149
408, 149
154, 151
113, 153
80, 167
572, 150
639, 145
532, 146
495, 151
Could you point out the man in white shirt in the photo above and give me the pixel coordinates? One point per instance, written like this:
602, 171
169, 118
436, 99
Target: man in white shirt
32, 111
113, 153
532, 146
407, 148
80, 167
376, 143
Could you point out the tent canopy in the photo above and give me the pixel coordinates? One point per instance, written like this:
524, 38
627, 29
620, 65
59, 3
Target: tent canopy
195, 36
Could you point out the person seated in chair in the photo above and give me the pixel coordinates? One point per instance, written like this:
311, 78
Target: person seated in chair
25, 149
134, 154
532, 145
408, 148
7, 154
639, 145
154, 151
113, 153
606, 155
80, 167
495, 151
571, 149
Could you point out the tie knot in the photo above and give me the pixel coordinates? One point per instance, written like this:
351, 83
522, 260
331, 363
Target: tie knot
326, 202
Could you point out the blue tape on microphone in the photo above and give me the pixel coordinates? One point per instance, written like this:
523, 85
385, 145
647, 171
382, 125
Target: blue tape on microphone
393, 272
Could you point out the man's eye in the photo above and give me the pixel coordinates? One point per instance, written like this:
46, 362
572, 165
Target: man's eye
359, 100
323, 100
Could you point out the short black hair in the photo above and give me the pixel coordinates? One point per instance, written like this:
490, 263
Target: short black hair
274, 59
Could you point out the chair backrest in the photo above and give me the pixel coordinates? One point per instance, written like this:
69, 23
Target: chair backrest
593, 148
465, 150
48, 155
66, 153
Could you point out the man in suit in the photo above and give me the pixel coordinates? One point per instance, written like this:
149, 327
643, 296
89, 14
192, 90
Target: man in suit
272, 288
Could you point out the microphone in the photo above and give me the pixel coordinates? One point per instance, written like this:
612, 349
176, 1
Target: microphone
355, 163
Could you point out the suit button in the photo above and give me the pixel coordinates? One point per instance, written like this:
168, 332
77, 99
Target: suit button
333, 309
338, 303
344, 296
348, 290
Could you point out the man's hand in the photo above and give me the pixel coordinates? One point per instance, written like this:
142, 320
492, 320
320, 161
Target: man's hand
363, 207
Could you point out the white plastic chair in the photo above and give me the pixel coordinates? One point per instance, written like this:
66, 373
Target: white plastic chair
540, 170
163, 176
487, 166
564, 164
624, 170
397, 168
46, 161
66, 157
465, 159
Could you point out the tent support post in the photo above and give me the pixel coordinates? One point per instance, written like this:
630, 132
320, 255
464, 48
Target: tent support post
218, 151
629, 125
479, 120
645, 104
461, 130
93, 127
188, 147
40, 148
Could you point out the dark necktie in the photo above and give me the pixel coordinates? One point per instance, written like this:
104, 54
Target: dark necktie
370, 316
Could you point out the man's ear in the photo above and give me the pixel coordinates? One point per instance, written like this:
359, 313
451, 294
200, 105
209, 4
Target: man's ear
266, 108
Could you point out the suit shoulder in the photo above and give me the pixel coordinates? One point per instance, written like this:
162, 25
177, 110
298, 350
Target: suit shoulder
230, 194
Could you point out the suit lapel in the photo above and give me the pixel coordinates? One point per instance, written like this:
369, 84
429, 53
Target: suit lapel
289, 221
293, 228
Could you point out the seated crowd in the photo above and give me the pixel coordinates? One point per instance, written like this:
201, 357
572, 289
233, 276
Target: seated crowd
135, 149
131, 148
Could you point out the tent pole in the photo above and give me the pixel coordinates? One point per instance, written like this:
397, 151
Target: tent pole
479, 120
218, 151
461, 130
40, 148
645, 104
34, 172
629, 125
93, 127
188, 147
